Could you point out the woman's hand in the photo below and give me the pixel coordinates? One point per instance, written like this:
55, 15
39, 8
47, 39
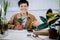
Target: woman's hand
35, 23
10, 26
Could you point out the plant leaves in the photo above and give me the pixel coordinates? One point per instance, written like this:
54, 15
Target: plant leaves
43, 19
53, 19
5, 7
49, 15
42, 26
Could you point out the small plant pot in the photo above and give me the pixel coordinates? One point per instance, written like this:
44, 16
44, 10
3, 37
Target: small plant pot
21, 27
52, 33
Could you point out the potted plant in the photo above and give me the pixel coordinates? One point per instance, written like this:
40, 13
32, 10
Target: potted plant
3, 23
49, 22
18, 24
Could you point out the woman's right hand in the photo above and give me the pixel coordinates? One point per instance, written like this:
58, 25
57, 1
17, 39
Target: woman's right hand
10, 26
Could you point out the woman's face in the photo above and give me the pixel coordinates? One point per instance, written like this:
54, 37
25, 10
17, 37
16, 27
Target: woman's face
23, 8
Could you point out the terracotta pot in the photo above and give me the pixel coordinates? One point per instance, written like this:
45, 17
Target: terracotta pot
52, 33
21, 27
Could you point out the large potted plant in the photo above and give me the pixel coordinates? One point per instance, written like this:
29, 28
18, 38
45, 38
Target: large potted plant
3, 23
49, 22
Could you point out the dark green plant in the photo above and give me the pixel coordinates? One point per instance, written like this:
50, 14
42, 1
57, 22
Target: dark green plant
3, 10
43, 25
48, 22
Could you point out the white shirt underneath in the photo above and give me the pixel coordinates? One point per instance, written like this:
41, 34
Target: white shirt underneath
24, 20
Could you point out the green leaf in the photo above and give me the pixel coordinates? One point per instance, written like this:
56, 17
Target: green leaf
42, 26
5, 7
53, 19
43, 19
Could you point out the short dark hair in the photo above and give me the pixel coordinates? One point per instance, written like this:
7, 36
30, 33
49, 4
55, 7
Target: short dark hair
23, 1
49, 11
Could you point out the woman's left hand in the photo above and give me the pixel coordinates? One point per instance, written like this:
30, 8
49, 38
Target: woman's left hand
35, 23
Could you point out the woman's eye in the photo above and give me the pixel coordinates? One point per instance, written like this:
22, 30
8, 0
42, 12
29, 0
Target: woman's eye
21, 6
25, 6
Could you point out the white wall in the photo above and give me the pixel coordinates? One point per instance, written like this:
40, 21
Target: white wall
36, 7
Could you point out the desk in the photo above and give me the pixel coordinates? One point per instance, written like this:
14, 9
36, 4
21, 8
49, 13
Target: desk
22, 35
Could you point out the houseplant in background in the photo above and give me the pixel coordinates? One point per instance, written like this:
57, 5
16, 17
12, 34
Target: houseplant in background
49, 22
3, 23
59, 12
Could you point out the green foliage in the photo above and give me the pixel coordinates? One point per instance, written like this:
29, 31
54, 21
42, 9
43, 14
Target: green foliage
3, 10
42, 26
5, 7
43, 19
48, 22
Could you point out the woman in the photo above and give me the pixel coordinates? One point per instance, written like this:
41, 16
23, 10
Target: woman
30, 22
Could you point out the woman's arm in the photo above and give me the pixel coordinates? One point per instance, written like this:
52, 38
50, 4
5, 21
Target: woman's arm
35, 22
